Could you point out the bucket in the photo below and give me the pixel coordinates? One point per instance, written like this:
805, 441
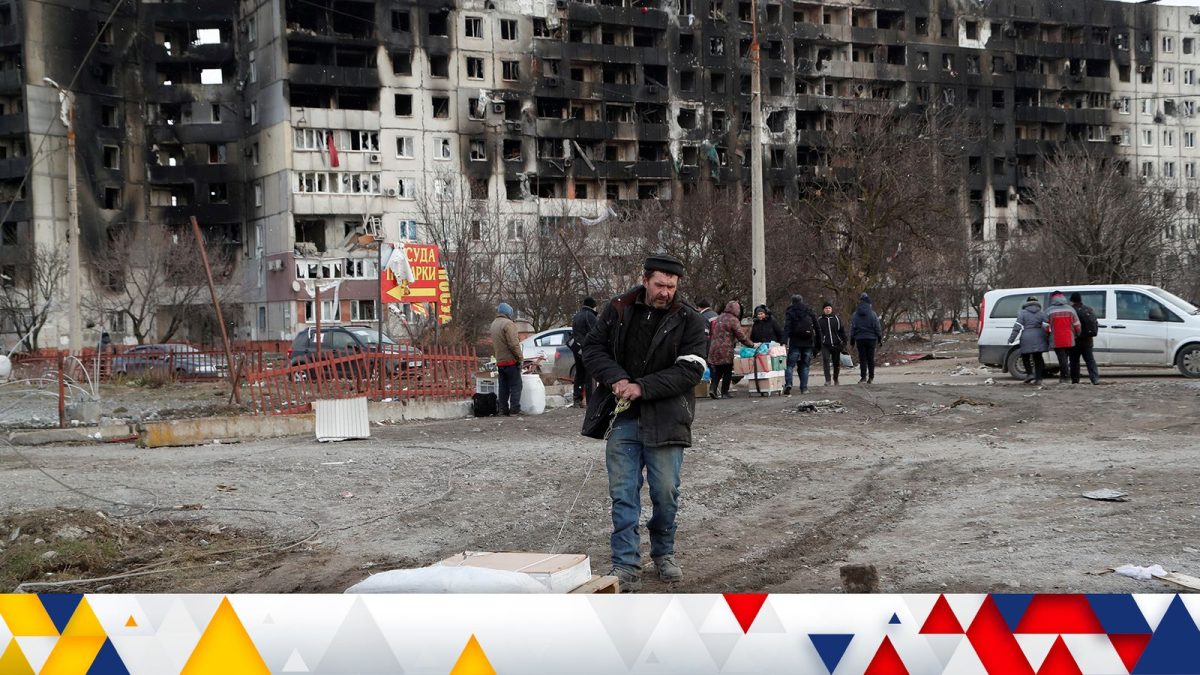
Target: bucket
533, 395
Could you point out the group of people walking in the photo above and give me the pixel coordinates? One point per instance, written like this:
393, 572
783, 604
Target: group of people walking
1067, 328
805, 334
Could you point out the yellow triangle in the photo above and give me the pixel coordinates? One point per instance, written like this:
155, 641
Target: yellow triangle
472, 661
72, 654
84, 623
131, 623
225, 648
13, 661
25, 616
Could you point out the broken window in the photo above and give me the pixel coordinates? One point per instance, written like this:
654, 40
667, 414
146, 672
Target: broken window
948, 62
215, 113
473, 27
402, 63
439, 23
441, 107
687, 42
510, 70
475, 110
364, 141
511, 149
404, 147
687, 80
218, 193
212, 76
922, 25
687, 118
1001, 198
406, 188
441, 147
716, 46
922, 60
478, 150
508, 29
972, 30
111, 198
719, 121
404, 107
108, 116
112, 157
717, 83
216, 153
439, 65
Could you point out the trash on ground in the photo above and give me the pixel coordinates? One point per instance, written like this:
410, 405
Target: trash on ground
825, 406
1140, 573
1178, 579
226, 488
971, 402
441, 579
1107, 495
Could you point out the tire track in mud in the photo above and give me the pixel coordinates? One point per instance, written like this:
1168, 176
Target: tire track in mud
876, 501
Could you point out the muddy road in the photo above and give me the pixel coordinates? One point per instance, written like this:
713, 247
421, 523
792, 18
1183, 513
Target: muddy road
943, 477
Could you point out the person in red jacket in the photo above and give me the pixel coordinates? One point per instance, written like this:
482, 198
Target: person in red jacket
1063, 324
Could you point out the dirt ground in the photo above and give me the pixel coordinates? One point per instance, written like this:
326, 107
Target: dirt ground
945, 477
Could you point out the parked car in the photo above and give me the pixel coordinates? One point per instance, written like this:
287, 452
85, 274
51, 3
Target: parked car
339, 341
179, 358
551, 345
1141, 326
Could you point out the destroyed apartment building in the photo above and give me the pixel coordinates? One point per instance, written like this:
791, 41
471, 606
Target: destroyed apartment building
298, 131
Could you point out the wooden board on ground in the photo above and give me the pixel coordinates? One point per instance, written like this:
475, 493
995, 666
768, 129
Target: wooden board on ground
1182, 580
599, 584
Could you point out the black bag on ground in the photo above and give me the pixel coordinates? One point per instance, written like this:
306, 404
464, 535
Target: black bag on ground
484, 405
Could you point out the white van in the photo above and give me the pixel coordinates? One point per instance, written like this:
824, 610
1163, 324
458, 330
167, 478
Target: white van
1141, 326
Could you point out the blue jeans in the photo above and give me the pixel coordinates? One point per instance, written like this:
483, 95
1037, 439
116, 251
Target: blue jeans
626, 458
509, 384
801, 358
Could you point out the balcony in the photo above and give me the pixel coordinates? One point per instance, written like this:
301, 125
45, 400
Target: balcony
653, 170
579, 13
209, 53
13, 167
10, 35
333, 76
11, 79
189, 172
13, 124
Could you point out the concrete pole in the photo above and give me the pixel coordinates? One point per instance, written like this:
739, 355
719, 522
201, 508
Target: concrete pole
73, 271
758, 242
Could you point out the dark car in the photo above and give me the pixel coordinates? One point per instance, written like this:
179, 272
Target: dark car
338, 341
180, 358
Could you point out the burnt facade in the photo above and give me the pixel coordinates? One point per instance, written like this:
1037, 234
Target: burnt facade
298, 130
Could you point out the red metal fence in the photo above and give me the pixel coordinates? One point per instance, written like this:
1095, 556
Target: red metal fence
202, 364
436, 374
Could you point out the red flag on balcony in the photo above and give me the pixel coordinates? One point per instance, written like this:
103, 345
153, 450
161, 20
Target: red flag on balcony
333, 156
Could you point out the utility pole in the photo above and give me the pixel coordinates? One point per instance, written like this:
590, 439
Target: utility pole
758, 239
74, 318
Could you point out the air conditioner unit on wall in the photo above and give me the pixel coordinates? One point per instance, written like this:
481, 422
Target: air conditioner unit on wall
498, 108
374, 158
391, 192
274, 265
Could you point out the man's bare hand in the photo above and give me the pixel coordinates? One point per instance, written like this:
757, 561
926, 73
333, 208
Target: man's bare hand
633, 391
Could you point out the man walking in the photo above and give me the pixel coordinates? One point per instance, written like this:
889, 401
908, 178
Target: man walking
1089, 328
832, 335
507, 346
1064, 328
647, 355
800, 328
866, 333
581, 326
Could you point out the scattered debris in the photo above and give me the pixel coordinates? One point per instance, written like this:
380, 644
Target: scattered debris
1107, 495
1140, 573
859, 578
1178, 579
347, 495
825, 406
971, 402
226, 488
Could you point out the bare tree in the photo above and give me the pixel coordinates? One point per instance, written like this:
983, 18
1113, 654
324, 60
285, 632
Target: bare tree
154, 277
468, 232
27, 300
886, 213
1094, 223
547, 273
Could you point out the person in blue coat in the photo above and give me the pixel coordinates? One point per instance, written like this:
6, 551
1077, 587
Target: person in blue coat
1030, 329
865, 333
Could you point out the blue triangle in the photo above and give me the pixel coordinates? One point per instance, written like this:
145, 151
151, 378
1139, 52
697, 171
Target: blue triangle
831, 647
1012, 607
108, 661
894, 620
1119, 614
60, 607
1174, 646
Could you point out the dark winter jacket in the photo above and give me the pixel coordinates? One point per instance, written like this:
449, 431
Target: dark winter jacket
864, 325
1031, 326
800, 326
1089, 327
766, 330
831, 331
674, 366
581, 326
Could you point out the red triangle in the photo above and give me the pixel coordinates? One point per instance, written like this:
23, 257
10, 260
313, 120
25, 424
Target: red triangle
994, 643
745, 607
941, 621
887, 661
1059, 614
1130, 647
1059, 661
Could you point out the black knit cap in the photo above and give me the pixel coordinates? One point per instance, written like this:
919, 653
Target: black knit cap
663, 263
